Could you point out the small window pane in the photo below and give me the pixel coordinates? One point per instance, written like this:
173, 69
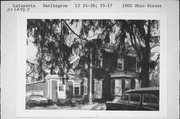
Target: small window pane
85, 87
135, 98
118, 87
125, 97
76, 85
119, 64
76, 90
149, 98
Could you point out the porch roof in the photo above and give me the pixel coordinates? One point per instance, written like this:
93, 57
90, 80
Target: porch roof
123, 75
71, 77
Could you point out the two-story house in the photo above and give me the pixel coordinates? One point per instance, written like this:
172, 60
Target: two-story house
116, 73
119, 73
125, 76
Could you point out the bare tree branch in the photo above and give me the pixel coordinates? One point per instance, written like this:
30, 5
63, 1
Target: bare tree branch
73, 31
156, 61
108, 28
156, 45
131, 38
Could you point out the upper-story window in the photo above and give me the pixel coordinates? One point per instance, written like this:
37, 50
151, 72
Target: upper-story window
129, 63
120, 62
138, 67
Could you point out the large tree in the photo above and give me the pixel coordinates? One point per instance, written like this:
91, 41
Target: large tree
59, 40
49, 36
144, 37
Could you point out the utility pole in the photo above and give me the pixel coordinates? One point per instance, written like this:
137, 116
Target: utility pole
90, 79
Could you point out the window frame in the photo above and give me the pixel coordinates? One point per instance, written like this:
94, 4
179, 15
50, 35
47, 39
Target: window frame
135, 102
76, 85
121, 62
125, 100
85, 87
76, 91
150, 103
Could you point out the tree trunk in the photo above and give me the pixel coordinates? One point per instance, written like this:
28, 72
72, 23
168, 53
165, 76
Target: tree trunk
144, 76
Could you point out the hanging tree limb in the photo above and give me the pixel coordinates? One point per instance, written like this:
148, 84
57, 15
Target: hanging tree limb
156, 61
108, 27
132, 36
73, 31
85, 38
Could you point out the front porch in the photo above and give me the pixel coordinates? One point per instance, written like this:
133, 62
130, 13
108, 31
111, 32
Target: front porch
122, 81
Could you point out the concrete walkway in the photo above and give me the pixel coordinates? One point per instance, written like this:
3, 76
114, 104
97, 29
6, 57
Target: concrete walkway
93, 106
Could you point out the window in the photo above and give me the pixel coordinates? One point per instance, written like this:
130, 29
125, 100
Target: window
118, 87
119, 66
76, 89
120, 63
85, 87
135, 98
97, 88
129, 63
125, 97
138, 67
127, 84
149, 98
61, 91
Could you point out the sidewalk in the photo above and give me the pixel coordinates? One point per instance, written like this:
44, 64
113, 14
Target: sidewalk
94, 106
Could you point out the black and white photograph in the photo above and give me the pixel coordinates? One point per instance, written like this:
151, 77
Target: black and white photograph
89, 59
93, 64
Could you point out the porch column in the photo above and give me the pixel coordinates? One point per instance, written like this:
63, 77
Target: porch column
123, 85
90, 79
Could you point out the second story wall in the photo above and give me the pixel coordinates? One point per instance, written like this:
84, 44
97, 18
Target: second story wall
114, 62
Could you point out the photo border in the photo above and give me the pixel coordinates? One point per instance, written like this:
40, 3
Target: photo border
21, 65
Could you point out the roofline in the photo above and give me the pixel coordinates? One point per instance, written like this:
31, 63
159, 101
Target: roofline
36, 82
143, 89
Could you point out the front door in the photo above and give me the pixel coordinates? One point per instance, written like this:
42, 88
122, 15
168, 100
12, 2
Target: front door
53, 90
